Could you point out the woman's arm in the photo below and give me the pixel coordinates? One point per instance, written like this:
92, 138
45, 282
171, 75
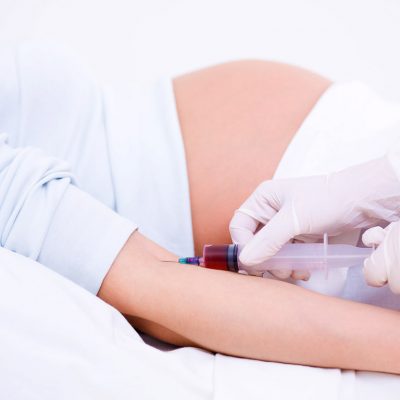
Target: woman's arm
160, 332
247, 316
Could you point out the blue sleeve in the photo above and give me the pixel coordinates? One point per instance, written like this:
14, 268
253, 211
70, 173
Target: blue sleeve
45, 217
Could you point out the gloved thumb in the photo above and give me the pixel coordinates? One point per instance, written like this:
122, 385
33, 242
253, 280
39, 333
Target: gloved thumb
373, 236
269, 240
374, 266
383, 264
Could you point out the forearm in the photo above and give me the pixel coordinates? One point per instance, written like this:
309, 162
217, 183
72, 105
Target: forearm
252, 317
158, 331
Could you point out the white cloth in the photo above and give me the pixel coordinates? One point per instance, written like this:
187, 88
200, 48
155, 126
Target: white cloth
240, 378
60, 342
350, 124
148, 163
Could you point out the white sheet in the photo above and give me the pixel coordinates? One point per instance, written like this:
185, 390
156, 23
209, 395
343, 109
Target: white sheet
239, 379
60, 342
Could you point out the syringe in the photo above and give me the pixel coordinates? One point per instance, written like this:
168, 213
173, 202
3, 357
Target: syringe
296, 256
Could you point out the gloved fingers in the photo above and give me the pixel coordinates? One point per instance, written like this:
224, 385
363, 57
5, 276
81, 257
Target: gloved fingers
383, 266
266, 197
281, 273
307, 238
391, 249
269, 240
373, 236
247, 219
256, 209
288, 273
242, 227
375, 268
254, 272
300, 275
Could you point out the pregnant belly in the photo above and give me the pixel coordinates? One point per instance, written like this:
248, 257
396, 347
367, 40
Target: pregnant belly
237, 120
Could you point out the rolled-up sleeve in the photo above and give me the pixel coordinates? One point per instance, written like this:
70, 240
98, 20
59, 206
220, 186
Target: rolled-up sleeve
44, 216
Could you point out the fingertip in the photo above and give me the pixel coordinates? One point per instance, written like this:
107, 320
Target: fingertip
269, 240
373, 274
242, 228
394, 286
245, 258
281, 273
240, 236
373, 236
300, 275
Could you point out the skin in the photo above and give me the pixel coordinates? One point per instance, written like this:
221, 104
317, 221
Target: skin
237, 120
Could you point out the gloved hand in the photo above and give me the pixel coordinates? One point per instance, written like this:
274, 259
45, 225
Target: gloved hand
383, 266
357, 197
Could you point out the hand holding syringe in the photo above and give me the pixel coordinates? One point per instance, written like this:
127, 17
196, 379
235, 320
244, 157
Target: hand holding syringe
359, 197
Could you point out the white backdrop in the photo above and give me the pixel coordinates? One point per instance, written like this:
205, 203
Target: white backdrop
131, 39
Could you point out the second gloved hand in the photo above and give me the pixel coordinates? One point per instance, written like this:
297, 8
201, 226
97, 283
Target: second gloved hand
357, 197
383, 266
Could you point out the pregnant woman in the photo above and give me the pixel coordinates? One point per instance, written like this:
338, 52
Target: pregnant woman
175, 160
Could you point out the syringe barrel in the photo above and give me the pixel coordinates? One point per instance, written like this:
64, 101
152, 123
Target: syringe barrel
223, 257
298, 256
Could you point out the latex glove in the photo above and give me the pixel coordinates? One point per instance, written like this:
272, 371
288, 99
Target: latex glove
357, 197
383, 266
